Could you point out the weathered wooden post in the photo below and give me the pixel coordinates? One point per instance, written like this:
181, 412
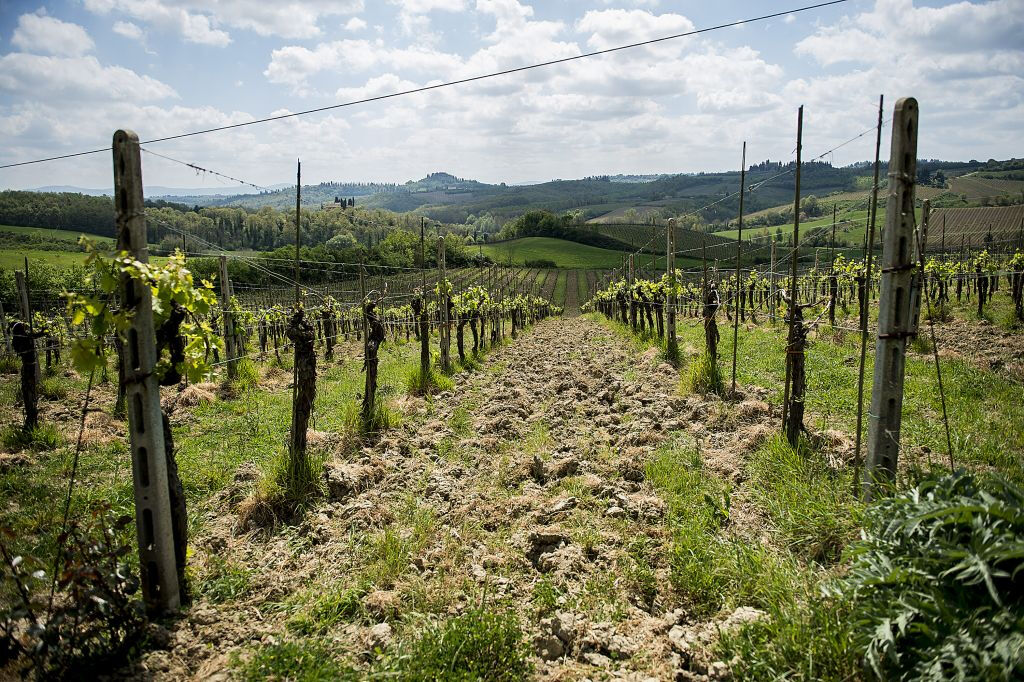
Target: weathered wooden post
5, 331
918, 279
869, 248
670, 266
158, 562
229, 319
791, 357
443, 300
771, 286
632, 298
895, 323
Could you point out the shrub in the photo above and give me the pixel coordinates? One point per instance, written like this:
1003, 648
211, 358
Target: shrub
94, 619
938, 582
478, 645
9, 364
540, 263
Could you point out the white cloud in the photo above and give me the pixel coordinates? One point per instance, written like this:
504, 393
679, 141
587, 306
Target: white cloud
129, 30
355, 24
70, 81
194, 28
613, 27
41, 33
294, 64
200, 21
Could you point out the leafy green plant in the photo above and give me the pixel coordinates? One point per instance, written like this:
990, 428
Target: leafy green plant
938, 583
175, 298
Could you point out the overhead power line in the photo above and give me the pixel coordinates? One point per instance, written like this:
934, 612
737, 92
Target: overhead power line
446, 84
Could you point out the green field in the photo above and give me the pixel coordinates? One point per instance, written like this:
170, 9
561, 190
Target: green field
566, 254
15, 259
56, 235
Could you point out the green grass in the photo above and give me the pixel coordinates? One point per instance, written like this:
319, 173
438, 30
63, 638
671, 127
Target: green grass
811, 505
481, 644
709, 568
997, 440
15, 259
57, 235
295, 661
558, 297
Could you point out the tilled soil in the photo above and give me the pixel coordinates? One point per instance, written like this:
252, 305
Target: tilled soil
984, 345
529, 473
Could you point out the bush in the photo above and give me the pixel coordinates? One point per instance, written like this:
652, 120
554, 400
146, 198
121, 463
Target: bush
478, 645
9, 364
545, 263
938, 582
95, 617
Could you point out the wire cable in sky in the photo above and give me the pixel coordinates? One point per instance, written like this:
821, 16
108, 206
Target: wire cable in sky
446, 84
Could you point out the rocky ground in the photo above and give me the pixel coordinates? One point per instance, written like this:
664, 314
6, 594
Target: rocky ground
524, 486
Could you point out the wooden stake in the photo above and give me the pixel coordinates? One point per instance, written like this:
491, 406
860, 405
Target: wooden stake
895, 323
795, 256
739, 246
157, 558
229, 318
298, 224
869, 247
670, 267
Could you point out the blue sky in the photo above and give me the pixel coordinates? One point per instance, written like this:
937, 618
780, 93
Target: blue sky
71, 72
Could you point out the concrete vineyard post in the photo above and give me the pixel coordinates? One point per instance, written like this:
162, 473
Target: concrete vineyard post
895, 323
771, 286
157, 560
229, 319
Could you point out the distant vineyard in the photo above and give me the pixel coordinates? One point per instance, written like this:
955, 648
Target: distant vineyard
999, 226
651, 239
974, 187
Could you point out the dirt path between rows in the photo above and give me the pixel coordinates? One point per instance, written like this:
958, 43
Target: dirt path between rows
526, 479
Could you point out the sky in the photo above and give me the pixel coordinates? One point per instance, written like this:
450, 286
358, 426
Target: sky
72, 72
